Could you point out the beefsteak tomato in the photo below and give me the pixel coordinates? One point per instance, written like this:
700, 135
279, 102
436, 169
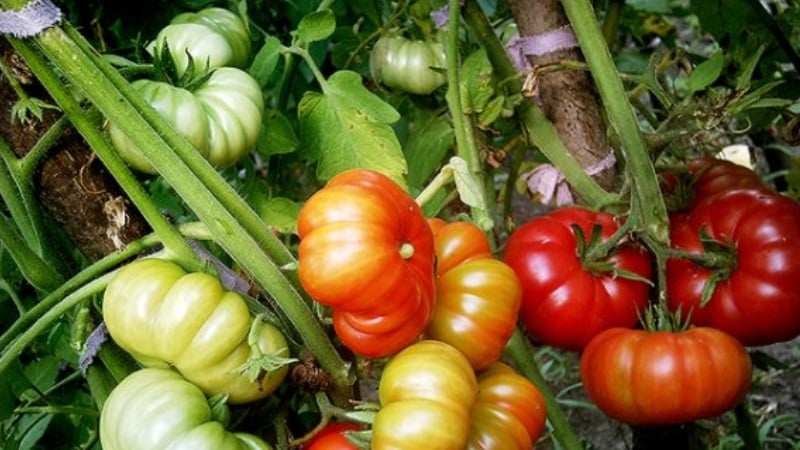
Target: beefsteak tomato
367, 251
164, 316
157, 409
426, 393
412, 66
658, 378
566, 301
755, 269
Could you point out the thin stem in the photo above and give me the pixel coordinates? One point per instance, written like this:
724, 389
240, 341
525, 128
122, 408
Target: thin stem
521, 353
35, 270
466, 147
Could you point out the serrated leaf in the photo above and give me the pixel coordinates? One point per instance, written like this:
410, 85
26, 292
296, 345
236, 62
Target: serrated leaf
492, 111
277, 135
427, 145
316, 26
477, 85
346, 126
706, 72
266, 60
280, 214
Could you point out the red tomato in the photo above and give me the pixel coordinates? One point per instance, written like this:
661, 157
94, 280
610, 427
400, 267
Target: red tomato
457, 242
509, 412
566, 302
704, 178
332, 437
757, 299
367, 251
644, 378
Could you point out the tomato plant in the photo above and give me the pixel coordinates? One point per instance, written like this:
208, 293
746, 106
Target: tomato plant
426, 394
748, 284
221, 117
652, 378
332, 437
212, 38
412, 66
477, 297
566, 298
157, 409
509, 412
164, 316
367, 251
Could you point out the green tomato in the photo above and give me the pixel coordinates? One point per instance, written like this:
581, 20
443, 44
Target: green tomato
212, 37
415, 67
155, 409
164, 316
221, 118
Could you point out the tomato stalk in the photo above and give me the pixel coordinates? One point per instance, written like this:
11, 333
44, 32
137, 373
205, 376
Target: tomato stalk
330, 411
540, 131
170, 152
520, 352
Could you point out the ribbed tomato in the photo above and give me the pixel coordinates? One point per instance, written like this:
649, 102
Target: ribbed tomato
367, 251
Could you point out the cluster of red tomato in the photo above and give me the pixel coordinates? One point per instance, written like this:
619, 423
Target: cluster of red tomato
732, 272
390, 277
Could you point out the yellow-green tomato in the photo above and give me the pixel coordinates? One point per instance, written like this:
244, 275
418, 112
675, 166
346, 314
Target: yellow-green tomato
157, 409
212, 37
426, 393
412, 66
164, 316
221, 118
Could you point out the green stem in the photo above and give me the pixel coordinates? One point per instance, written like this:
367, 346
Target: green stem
35, 270
746, 427
520, 352
185, 169
30, 162
621, 116
15, 348
774, 27
611, 21
540, 131
466, 148
54, 409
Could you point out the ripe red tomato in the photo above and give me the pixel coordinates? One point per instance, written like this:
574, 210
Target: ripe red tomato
509, 412
566, 302
367, 251
644, 378
757, 297
332, 437
703, 178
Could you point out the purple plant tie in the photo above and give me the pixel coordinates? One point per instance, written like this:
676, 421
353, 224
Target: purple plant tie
519, 48
31, 20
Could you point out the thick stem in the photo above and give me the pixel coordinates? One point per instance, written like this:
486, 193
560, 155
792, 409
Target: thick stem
38, 273
521, 353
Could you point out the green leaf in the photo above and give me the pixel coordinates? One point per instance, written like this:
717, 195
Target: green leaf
280, 214
430, 139
316, 26
7, 398
706, 72
477, 83
277, 135
346, 126
266, 60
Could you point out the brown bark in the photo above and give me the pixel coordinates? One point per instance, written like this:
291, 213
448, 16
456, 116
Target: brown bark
568, 97
72, 186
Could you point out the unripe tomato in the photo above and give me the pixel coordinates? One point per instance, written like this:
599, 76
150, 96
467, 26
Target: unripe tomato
157, 409
212, 37
412, 66
164, 316
426, 393
645, 378
221, 118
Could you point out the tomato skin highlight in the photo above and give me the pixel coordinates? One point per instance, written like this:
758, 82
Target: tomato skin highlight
367, 251
164, 316
658, 378
564, 304
156, 408
759, 301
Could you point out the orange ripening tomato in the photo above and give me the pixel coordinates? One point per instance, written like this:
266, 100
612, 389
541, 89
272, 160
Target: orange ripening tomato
509, 412
477, 296
658, 378
367, 251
